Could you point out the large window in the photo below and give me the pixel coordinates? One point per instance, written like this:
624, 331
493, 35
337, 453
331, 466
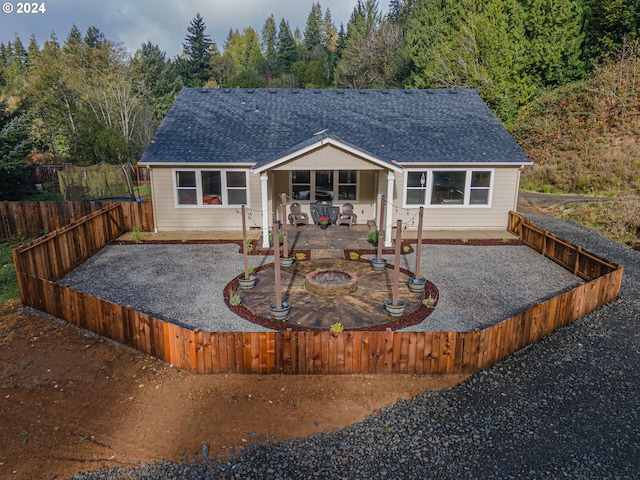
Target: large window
301, 184
186, 187
347, 184
324, 185
211, 187
448, 187
319, 185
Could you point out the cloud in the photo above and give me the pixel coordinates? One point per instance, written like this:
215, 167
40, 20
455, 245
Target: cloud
163, 22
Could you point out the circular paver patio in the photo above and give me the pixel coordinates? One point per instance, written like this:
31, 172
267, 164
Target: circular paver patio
362, 309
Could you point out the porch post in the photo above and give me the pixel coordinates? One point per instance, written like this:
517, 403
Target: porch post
264, 179
391, 178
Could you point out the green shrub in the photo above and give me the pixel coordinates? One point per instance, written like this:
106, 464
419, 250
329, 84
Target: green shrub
336, 327
235, 298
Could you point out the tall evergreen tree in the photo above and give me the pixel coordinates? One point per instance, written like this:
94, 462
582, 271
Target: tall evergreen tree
94, 38
608, 23
195, 54
313, 29
269, 39
74, 42
228, 38
465, 43
286, 48
329, 32
15, 144
554, 41
364, 20
33, 50
252, 53
159, 80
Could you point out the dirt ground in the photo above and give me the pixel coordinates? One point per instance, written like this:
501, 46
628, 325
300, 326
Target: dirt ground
71, 401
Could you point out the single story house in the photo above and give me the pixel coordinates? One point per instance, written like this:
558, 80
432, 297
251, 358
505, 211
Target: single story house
219, 149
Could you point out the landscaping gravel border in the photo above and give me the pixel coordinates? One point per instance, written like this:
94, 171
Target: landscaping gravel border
182, 284
565, 407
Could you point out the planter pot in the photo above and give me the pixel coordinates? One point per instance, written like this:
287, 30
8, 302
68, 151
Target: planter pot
378, 266
394, 310
286, 261
280, 314
247, 283
416, 285
323, 225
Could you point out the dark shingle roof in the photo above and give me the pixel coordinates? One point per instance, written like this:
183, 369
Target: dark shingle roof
254, 126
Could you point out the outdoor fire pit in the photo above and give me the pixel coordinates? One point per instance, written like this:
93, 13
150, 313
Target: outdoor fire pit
330, 283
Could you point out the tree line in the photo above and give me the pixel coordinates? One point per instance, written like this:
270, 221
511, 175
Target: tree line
87, 100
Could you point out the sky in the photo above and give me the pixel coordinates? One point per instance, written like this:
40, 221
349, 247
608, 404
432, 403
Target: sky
163, 22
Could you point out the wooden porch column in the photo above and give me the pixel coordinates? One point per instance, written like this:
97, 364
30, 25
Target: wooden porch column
266, 221
391, 178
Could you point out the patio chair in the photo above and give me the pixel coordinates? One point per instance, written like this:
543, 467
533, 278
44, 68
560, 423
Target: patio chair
297, 216
347, 217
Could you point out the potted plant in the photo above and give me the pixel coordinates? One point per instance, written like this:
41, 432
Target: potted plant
394, 309
301, 256
281, 313
323, 221
416, 284
286, 261
280, 238
247, 282
354, 255
372, 238
378, 265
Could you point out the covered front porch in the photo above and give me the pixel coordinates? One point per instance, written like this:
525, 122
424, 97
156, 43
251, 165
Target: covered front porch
329, 172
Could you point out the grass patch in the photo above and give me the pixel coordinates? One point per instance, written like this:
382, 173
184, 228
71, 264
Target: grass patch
617, 220
8, 280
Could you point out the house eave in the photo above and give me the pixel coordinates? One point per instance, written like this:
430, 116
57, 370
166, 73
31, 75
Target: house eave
410, 165
178, 164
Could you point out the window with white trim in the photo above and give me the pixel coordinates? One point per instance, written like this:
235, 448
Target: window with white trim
450, 187
203, 187
347, 184
186, 188
318, 185
301, 184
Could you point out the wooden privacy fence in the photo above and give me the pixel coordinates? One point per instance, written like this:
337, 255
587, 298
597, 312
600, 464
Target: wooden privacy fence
32, 219
580, 262
298, 352
49, 173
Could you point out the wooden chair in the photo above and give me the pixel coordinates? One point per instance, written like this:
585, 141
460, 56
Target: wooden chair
347, 217
297, 216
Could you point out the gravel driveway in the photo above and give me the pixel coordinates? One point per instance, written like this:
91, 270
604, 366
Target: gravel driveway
183, 284
565, 407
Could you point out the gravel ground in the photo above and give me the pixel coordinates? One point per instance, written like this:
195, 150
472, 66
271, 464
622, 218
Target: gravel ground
566, 407
183, 283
